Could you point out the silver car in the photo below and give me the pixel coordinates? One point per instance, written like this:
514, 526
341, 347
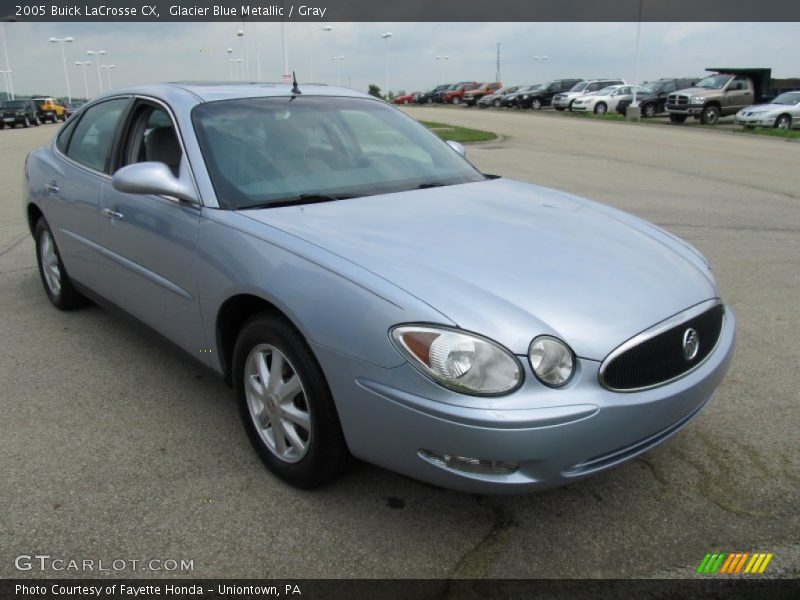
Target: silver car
782, 113
368, 293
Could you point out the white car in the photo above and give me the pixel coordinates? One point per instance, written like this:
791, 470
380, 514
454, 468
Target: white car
604, 100
783, 112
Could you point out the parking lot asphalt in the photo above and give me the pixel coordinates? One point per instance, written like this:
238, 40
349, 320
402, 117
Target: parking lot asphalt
113, 445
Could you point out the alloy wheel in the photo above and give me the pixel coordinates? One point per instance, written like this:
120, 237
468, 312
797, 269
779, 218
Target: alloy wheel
277, 403
49, 258
783, 122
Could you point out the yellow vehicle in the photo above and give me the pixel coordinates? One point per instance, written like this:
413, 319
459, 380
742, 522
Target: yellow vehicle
50, 109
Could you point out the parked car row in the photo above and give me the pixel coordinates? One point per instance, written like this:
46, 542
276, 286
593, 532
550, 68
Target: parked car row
35, 111
751, 94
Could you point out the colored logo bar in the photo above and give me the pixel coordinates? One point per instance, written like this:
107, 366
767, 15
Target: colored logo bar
734, 563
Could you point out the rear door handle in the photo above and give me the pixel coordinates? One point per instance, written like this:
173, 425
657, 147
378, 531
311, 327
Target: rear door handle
112, 214
52, 187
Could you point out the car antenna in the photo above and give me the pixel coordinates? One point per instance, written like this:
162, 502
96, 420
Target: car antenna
295, 89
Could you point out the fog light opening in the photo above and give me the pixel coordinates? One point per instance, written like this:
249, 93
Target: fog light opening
478, 466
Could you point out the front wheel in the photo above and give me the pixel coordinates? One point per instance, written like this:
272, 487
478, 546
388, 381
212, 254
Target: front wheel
456, 100
536, 104
783, 122
649, 111
57, 284
27, 122
600, 108
710, 115
37, 121
285, 404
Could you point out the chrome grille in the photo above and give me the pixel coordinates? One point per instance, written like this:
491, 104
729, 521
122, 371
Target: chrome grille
660, 358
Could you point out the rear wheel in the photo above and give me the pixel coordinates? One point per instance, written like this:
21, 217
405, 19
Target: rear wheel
536, 103
456, 100
783, 122
286, 405
496, 103
57, 284
37, 121
710, 115
600, 108
677, 118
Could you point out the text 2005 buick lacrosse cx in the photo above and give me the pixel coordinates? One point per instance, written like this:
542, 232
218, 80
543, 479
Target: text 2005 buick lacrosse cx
367, 292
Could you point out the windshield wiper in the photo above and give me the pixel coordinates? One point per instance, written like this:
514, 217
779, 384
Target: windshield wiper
301, 199
433, 184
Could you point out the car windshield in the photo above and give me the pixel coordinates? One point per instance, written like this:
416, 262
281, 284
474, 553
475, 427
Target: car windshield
650, 88
606, 91
14, 104
714, 82
788, 98
579, 87
278, 150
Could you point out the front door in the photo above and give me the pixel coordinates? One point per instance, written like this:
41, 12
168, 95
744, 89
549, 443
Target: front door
152, 240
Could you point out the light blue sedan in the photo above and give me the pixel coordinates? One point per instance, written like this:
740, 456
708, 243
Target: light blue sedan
368, 293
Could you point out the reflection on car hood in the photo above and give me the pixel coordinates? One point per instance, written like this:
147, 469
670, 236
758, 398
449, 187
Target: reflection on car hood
771, 107
512, 260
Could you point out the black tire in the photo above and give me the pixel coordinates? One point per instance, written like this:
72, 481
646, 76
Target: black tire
327, 456
677, 119
783, 122
26, 122
600, 108
496, 103
710, 115
649, 111
536, 104
570, 105
37, 121
66, 297
456, 100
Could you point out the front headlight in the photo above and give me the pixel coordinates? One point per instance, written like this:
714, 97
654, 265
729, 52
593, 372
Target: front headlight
552, 361
463, 362
698, 100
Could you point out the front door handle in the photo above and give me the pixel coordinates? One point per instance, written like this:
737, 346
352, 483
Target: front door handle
52, 187
112, 214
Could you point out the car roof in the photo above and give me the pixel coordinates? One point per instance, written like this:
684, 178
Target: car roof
209, 91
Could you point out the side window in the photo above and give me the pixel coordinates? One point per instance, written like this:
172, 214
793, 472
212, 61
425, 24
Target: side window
91, 140
593, 87
62, 141
152, 138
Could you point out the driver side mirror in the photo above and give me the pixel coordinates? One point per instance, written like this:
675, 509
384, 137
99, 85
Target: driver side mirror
152, 178
458, 147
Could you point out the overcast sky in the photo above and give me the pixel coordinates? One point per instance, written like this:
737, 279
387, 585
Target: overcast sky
153, 52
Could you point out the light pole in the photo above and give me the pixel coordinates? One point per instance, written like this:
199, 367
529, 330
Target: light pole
442, 59
108, 73
243, 52
61, 42
287, 78
7, 72
97, 54
338, 60
236, 61
635, 100
6, 75
311, 49
83, 64
258, 51
542, 58
229, 52
386, 37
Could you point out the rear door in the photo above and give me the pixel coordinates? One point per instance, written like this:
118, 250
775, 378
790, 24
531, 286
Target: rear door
152, 240
72, 177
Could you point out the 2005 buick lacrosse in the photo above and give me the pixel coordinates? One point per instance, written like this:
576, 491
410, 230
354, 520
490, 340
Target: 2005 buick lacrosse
367, 292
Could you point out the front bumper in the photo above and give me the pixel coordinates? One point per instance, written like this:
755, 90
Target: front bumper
685, 109
557, 436
582, 107
755, 121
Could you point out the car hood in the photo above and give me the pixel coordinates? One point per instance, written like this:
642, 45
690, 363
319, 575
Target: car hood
512, 260
698, 91
769, 107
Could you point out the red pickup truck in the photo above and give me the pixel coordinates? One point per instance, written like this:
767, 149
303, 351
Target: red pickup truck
456, 95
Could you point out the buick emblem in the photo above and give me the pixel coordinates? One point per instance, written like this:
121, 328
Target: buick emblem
691, 344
